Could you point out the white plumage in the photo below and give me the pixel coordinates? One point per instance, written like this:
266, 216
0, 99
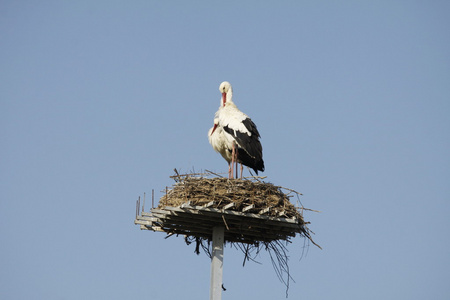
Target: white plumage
234, 135
218, 140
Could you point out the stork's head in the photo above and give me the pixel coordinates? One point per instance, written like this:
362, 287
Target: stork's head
225, 89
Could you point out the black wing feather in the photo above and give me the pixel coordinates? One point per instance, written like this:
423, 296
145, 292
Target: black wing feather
249, 147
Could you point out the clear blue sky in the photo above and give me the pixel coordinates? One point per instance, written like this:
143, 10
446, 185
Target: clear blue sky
100, 100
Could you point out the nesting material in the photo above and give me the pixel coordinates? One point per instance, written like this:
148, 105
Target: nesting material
252, 196
251, 210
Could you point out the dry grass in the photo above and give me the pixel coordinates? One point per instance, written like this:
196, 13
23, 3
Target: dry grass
200, 190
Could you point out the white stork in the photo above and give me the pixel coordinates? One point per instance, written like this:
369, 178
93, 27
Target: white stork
234, 135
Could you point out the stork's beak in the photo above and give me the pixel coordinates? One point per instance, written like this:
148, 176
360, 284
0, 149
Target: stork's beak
224, 98
214, 128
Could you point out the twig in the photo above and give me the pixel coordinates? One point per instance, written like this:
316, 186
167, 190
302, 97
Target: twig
304, 208
214, 174
226, 225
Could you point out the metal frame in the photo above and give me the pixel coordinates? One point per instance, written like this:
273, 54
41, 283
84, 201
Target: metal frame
240, 227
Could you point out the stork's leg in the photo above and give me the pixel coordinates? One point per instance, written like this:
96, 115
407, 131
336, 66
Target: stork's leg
229, 170
236, 159
233, 150
242, 169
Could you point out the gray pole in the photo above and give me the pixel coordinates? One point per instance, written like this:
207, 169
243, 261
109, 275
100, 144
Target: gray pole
215, 292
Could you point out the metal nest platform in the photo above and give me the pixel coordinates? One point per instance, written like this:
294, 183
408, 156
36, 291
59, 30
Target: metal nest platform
251, 211
240, 226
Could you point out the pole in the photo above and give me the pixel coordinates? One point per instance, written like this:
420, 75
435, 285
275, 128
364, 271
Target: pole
215, 292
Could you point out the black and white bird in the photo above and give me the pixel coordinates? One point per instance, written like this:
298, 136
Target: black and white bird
234, 135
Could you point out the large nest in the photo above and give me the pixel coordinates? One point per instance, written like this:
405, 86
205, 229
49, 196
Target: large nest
261, 196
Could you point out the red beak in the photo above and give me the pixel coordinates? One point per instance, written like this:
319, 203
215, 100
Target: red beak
214, 128
224, 98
